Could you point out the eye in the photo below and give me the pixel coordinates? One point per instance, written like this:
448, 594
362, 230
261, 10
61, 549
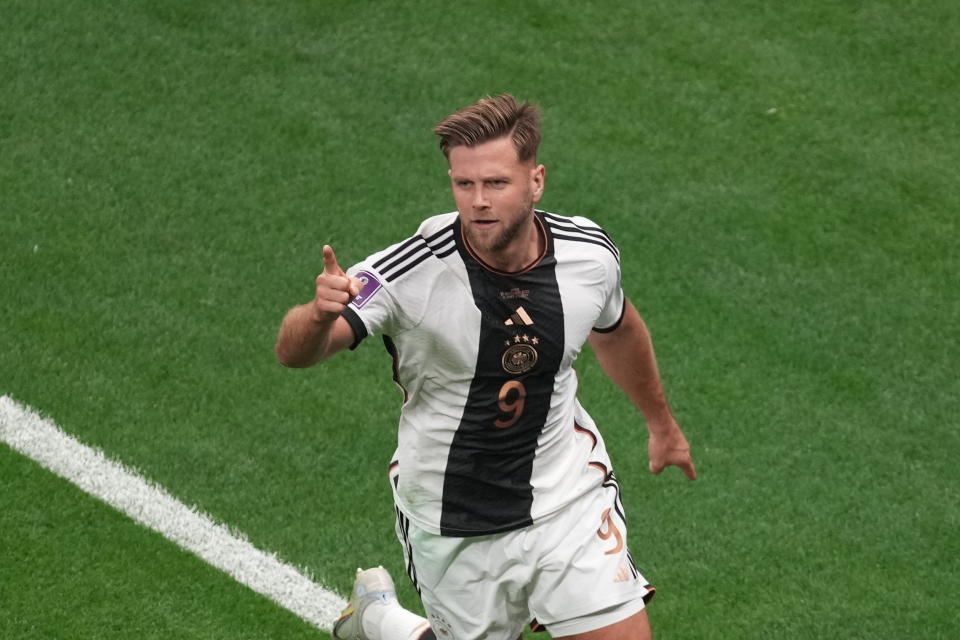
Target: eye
498, 184
463, 184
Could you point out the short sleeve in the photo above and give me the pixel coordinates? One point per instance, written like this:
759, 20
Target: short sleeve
612, 313
374, 309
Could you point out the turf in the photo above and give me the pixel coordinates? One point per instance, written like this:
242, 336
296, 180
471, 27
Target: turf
782, 181
74, 568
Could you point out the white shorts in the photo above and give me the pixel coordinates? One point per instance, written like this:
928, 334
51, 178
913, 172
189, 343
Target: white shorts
571, 572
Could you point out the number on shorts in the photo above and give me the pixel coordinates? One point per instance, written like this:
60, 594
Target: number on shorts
511, 403
612, 531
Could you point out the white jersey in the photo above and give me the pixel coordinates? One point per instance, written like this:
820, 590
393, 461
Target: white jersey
491, 437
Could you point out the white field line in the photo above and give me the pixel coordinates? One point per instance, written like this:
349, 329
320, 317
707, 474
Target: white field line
40, 439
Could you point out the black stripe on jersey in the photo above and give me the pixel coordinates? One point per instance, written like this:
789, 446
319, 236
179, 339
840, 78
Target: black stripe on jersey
585, 238
446, 247
445, 230
452, 248
418, 252
442, 244
570, 225
560, 220
486, 486
413, 252
396, 274
566, 225
390, 256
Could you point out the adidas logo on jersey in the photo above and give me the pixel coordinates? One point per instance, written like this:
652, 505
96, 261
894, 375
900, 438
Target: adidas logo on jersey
519, 317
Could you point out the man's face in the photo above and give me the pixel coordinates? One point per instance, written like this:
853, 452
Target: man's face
495, 194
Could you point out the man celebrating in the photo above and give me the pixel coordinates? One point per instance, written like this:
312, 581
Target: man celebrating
508, 509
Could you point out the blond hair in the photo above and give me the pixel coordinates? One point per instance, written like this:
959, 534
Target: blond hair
489, 119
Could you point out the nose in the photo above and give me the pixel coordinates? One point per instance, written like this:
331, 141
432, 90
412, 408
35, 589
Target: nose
480, 198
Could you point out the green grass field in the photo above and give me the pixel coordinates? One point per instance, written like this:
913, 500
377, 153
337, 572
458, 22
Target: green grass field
783, 181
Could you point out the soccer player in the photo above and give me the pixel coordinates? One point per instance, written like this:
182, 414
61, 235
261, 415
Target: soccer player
508, 509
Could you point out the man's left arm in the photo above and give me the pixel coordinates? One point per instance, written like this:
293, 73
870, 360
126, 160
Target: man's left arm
626, 356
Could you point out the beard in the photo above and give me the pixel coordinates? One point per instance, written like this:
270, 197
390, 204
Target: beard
509, 233
518, 219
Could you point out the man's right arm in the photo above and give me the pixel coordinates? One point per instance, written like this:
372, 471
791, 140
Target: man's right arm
312, 332
303, 342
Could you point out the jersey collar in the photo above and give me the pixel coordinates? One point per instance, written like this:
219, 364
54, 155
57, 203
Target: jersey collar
544, 230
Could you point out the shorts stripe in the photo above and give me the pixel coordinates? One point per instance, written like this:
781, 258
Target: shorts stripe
403, 524
633, 566
611, 481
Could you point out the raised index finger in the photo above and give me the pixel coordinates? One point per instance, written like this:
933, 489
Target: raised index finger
330, 266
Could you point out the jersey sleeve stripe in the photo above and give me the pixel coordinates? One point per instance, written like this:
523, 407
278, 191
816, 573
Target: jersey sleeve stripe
595, 233
446, 229
415, 239
415, 251
399, 272
440, 246
588, 233
555, 219
403, 247
452, 248
571, 225
419, 253
588, 239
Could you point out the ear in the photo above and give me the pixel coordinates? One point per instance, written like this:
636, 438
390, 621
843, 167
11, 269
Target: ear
538, 176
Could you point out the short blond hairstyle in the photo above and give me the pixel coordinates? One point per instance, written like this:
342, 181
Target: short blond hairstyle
489, 119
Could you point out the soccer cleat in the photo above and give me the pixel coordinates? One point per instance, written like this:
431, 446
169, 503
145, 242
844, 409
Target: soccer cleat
373, 586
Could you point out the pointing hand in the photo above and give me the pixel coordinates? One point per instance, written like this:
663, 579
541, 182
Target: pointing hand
335, 289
